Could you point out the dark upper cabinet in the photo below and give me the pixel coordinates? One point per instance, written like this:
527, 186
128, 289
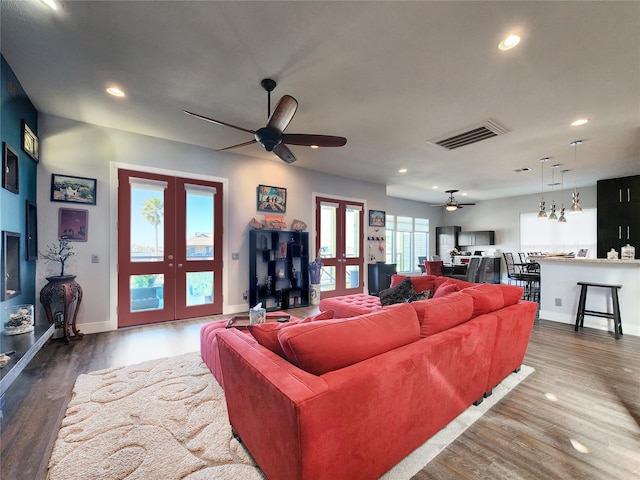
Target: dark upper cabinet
446, 240
481, 237
618, 214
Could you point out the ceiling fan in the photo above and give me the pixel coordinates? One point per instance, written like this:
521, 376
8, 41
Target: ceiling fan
452, 205
271, 136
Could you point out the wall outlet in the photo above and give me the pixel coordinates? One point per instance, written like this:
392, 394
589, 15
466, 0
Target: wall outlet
235, 256
95, 258
558, 302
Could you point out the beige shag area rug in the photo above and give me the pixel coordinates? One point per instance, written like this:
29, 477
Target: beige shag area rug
167, 419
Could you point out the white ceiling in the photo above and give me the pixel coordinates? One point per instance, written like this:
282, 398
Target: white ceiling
387, 75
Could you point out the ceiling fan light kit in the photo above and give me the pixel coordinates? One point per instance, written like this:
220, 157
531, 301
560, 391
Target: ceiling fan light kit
452, 205
272, 136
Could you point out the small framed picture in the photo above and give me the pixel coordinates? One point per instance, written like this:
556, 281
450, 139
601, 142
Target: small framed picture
32, 231
30, 142
271, 199
73, 224
582, 253
377, 218
65, 188
9, 168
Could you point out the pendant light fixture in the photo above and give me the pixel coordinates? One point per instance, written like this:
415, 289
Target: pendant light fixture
542, 214
552, 216
562, 218
575, 206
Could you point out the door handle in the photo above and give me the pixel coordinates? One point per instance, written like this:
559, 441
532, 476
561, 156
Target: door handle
179, 265
171, 264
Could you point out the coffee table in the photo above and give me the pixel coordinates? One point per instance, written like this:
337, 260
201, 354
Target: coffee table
242, 321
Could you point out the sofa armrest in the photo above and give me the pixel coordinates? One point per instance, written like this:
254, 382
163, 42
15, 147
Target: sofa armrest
263, 392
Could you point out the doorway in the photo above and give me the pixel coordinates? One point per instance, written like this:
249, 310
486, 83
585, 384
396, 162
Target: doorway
169, 248
339, 227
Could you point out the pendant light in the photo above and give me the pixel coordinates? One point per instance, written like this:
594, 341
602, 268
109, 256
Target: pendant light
552, 216
562, 218
575, 206
542, 214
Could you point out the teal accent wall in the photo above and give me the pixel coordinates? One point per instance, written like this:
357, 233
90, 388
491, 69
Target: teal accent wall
16, 107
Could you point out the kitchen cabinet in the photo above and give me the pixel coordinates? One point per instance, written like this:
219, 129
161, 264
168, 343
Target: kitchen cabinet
446, 240
618, 215
480, 237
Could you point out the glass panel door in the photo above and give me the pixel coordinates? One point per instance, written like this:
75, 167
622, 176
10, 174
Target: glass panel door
169, 249
339, 243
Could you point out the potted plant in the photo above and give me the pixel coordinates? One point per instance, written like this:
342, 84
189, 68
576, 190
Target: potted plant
60, 253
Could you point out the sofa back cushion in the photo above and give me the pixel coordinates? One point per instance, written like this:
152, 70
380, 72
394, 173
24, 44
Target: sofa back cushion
445, 289
324, 346
420, 282
439, 314
266, 334
486, 298
511, 293
438, 281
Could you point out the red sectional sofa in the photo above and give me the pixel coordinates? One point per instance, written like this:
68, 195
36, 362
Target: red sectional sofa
349, 398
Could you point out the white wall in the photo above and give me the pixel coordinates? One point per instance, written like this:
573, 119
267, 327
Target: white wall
75, 148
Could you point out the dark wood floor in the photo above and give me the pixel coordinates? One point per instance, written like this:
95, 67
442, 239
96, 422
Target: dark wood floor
576, 417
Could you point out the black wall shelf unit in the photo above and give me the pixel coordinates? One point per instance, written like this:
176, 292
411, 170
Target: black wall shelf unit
278, 269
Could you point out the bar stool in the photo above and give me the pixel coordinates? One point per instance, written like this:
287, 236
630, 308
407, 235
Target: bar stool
617, 321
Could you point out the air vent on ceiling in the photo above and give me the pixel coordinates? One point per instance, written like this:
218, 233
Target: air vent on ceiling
467, 136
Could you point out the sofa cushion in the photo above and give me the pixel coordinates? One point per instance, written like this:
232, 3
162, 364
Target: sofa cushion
401, 293
438, 281
416, 297
511, 293
439, 314
324, 346
486, 298
445, 289
266, 334
420, 282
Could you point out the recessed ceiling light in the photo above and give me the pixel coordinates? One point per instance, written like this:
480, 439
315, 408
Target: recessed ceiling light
115, 91
435, 187
465, 194
580, 121
51, 4
314, 146
402, 170
509, 42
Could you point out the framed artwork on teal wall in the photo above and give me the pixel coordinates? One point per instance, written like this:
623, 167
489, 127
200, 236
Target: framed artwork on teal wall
9, 168
30, 142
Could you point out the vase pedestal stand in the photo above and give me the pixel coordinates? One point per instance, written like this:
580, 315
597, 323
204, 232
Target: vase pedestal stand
67, 291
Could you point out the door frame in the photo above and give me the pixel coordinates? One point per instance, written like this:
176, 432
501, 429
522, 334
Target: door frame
313, 232
112, 321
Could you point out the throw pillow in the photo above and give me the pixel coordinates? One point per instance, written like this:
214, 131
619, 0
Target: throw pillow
398, 294
426, 295
486, 298
445, 289
266, 334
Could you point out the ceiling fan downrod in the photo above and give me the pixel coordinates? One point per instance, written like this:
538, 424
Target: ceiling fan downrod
269, 85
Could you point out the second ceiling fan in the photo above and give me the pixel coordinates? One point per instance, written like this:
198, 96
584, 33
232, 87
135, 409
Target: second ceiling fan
272, 136
452, 205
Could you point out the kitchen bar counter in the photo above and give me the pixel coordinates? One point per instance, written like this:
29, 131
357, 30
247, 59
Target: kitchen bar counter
559, 292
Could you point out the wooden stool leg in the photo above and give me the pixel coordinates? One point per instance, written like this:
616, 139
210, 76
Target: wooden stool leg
617, 321
581, 304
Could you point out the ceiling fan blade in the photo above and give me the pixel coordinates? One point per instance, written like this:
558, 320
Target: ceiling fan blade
284, 112
284, 153
460, 204
317, 140
238, 145
218, 122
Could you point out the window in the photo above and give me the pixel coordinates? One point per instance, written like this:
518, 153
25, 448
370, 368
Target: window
407, 239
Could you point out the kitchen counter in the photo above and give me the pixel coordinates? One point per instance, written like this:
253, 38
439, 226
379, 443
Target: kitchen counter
559, 292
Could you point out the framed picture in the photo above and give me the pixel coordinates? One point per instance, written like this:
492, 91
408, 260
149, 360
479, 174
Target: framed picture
272, 199
65, 188
582, 253
9, 168
377, 218
10, 279
30, 142
73, 224
32, 231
